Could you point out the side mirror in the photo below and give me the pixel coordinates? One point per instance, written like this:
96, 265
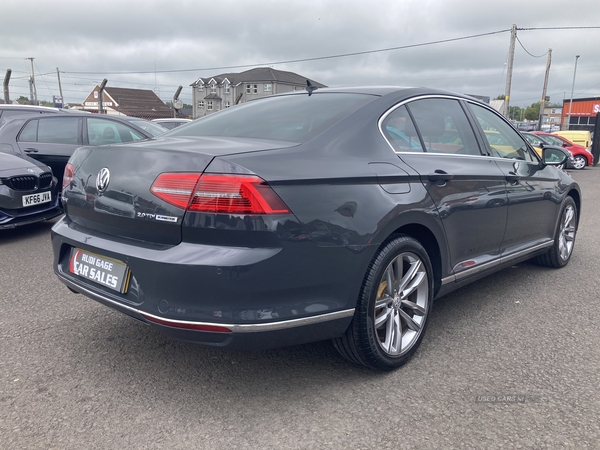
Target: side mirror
553, 156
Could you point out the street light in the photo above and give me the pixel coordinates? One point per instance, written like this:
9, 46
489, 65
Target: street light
572, 89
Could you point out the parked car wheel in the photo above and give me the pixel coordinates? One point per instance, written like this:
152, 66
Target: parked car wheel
393, 308
560, 253
579, 162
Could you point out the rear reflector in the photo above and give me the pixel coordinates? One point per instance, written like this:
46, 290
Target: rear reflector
218, 194
68, 175
187, 325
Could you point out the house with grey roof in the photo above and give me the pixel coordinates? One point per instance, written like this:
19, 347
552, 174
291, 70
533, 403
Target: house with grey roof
211, 94
141, 103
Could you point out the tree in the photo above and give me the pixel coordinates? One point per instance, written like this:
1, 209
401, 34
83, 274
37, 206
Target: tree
23, 100
500, 97
532, 112
515, 112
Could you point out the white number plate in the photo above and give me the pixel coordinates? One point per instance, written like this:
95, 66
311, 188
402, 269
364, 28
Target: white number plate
105, 271
35, 199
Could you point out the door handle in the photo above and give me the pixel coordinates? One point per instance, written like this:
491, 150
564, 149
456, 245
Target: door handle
31, 150
439, 175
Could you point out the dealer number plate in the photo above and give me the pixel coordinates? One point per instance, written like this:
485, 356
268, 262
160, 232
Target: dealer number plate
105, 271
35, 199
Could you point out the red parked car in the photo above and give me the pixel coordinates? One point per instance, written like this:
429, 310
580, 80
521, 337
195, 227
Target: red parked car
581, 156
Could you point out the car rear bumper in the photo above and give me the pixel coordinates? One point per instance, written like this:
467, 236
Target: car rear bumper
245, 298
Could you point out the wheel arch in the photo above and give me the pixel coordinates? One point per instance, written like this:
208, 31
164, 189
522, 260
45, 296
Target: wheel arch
425, 229
576, 196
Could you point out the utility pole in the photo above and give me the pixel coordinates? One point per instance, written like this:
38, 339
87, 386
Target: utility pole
509, 70
6, 80
34, 99
572, 90
177, 104
543, 102
101, 95
62, 99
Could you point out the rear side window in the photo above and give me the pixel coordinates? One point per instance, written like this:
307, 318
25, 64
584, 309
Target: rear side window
294, 118
400, 131
444, 127
29, 132
59, 130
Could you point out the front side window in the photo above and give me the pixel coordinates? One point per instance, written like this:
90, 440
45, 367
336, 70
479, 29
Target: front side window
59, 130
504, 142
443, 126
102, 132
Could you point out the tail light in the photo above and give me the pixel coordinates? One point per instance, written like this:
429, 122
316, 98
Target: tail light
218, 194
68, 176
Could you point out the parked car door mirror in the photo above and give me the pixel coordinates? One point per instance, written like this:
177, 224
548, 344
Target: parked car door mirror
553, 156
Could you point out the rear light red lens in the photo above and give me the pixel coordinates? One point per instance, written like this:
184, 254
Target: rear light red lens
219, 194
68, 176
175, 188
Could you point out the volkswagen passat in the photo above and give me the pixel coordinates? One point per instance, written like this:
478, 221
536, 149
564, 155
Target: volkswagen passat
336, 214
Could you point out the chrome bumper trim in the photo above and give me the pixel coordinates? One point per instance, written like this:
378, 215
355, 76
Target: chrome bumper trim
235, 328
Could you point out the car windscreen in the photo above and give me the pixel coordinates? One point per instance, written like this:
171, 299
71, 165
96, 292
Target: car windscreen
149, 127
293, 118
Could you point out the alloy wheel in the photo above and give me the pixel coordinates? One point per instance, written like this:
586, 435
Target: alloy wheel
402, 304
579, 162
566, 238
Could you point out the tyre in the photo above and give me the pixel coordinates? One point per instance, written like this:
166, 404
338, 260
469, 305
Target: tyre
393, 307
579, 162
564, 239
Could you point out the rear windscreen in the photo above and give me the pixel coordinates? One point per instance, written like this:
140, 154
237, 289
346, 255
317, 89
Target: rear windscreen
294, 118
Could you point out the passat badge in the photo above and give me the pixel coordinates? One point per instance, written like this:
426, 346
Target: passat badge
103, 179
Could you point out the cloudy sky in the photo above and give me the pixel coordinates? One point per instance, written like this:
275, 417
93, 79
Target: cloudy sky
159, 45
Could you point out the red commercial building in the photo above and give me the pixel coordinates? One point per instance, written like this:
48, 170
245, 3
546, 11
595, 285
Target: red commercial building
583, 116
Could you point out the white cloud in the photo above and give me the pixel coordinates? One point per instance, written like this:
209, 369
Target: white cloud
127, 36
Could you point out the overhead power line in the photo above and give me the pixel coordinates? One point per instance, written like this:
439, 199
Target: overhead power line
317, 58
527, 51
557, 28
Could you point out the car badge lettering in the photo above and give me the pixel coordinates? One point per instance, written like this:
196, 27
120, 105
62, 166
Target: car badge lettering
103, 179
30, 170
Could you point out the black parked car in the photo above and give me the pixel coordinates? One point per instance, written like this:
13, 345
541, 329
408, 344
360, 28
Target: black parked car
28, 191
52, 138
296, 218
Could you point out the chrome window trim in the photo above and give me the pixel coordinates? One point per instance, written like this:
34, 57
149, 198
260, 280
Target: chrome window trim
412, 99
235, 328
451, 97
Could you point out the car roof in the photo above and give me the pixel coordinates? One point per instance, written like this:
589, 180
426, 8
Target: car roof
173, 119
121, 119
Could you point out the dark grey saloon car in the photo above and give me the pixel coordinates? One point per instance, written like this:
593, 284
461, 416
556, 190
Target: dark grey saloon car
335, 214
